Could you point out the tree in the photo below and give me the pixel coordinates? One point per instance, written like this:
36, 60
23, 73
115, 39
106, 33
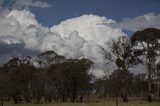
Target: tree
139, 86
101, 87
56, 78
48, 58
45, 61
121, 53
69, 80
2, 85
13, 89
158, 81
21, 75
146, 43
117, 81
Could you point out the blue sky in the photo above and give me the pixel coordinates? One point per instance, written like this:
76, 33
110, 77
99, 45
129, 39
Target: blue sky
114, 9
117, 10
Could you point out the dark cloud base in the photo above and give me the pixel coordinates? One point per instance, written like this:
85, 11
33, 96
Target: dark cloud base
15, 50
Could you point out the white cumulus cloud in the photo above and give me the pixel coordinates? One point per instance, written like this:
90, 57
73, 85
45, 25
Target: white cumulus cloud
74, 38
24, 28
94, 34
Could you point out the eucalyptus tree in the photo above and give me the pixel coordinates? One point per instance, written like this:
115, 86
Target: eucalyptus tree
120, 52
147, 45
45, 61
70, 80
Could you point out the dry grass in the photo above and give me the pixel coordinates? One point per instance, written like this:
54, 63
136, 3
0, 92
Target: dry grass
95, 102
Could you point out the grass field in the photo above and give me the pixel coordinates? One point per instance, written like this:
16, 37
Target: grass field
89, 103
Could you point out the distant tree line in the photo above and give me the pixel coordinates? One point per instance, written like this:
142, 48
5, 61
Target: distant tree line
56, 78
52, 77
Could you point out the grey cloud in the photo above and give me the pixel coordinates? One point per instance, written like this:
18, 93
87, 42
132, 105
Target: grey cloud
16, 49
10, 48
139, 22
1, 2
8, 51
26, 4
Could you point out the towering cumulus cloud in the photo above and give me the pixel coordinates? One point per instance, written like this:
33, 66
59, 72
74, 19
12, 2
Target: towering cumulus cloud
90, 28
74, 38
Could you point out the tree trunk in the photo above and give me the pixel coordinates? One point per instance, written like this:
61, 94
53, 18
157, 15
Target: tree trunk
117, 93
1, 100
81, 99
157, 91
125, 95
15, 99
116, 99
149, 85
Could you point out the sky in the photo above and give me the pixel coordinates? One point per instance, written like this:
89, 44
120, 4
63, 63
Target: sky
114, 9
118, 10
73, 28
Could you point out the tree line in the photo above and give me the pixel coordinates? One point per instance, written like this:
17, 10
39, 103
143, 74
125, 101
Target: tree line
57, 79
52, 77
